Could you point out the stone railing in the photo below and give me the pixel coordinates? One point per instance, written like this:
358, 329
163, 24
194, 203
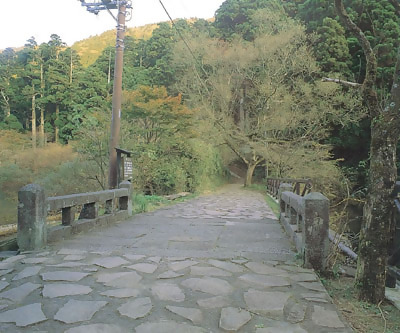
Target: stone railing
306, 220
298, 186
33, 232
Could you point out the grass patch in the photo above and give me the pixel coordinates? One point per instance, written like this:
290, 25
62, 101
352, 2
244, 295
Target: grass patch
273, 205
147, 203
362, 316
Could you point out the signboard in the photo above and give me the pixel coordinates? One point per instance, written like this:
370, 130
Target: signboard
128, 168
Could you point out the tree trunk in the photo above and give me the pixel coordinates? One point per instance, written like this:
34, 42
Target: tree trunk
56, 129
249, 174
7, 103
377, 223
33, 118
109, 68
41, 127
375, 231
241, 111
71, 69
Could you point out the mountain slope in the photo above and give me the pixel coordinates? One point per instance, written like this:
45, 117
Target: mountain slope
89, 49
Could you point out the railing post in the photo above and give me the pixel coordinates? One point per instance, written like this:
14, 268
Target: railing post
284, 187
125, 203
316, 231
32, 213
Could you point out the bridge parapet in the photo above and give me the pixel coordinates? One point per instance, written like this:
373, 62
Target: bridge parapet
306, 220
33, 231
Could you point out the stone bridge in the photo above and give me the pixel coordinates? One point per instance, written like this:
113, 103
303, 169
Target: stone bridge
217, 263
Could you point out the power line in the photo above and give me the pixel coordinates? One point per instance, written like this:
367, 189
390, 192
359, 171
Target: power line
179, 33
190, 50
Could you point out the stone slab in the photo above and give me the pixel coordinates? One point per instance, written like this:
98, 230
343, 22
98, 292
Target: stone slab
74, 257
24, 316
120, 280
393, 295
138, 308
64, 276
228, 266
326, 318
261, 268
209, 285
169, 327
282, 328
96, 328
64, 289
134, 257
144, 268
155, 259
3, 285
17, 294
304, 277
5, 271
266, 303
27, 272
69, 264
121, 293
232, 319
208, 271
5, 265
71, 252
169, 275
14, 259
264, 281
34, 261
315, 286
110, 262
179, 265
76, 311
296, 313
214, 302
168, 292
192, 314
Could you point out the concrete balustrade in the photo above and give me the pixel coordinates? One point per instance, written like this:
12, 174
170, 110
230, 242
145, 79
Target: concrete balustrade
306, 220
33, 207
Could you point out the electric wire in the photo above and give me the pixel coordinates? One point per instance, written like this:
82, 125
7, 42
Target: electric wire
189, 48
177, 30
217, 122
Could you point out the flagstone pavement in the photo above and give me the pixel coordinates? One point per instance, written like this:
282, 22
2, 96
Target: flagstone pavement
217, 263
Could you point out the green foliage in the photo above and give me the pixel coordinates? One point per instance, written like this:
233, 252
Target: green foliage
234, 18
11, 123
143, 203
331, 48
168, 156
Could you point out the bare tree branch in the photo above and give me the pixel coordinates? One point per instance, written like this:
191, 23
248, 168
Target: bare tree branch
372, 64
345, 83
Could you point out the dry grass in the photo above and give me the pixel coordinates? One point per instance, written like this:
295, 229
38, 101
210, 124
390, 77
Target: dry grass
362, 316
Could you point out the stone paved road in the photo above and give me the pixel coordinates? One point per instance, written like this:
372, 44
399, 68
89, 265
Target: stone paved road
218, 263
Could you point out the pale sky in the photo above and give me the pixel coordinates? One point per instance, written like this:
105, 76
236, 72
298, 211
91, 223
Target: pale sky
21, 19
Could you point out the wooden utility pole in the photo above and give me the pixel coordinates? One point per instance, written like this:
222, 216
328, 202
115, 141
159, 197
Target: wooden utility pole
117, 96
122, 6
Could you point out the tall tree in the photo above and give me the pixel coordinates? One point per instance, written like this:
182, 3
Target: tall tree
31, 61
7, 70
262, 96
385, 131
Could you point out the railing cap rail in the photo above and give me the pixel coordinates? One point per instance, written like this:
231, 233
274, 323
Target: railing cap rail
56, 203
